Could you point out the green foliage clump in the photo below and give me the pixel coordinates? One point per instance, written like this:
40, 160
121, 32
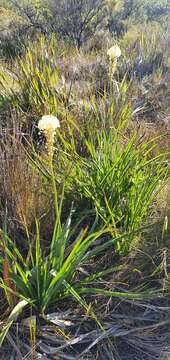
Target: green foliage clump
118, 178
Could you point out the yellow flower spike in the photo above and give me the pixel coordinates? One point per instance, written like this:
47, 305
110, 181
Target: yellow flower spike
48, 125
114, 52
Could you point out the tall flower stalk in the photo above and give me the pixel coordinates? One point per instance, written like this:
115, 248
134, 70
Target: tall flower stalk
48, 125
113, 53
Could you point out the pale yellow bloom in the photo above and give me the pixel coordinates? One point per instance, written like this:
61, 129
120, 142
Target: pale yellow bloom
48, 125
114, 52
48, 122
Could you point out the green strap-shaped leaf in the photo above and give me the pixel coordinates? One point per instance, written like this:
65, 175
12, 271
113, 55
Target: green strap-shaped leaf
12, 317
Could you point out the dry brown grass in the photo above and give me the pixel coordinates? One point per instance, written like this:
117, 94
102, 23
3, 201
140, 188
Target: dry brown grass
22, 190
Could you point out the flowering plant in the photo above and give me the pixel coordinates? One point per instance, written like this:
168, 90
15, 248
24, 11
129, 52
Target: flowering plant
48, 125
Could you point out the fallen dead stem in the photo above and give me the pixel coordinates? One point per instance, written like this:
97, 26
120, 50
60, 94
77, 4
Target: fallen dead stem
138, 330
